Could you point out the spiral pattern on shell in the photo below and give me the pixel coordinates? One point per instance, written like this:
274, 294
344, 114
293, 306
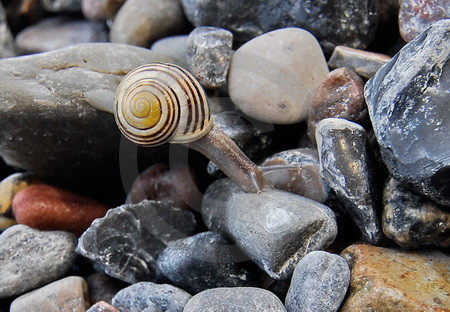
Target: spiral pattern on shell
160, 102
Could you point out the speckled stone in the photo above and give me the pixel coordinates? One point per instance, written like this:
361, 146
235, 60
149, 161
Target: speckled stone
32, 258
270, 79
412, 220
7, 46
392, 280
173, 46
319, 283
58, 6
67, 294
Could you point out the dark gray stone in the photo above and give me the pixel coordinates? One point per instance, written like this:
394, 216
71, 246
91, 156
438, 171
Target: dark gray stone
127, 241
208, 53
346, 167
412, 220
319, 283
204, 261
408, 106
61, 5
274, 228
236, 299
30, 258
148, 296
7, 47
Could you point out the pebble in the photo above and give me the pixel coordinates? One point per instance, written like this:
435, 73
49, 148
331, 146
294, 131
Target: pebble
173, 183
273, 77
347, 169
384, 279
236, 299
148, 296
7, 46
208, 53
403, 94
412, 220
102, 306
98, 10
127, 241
274, 228
49, 208
60, 6
57, 32
173, 46
319, 283
364, 63
140, 22
415, 16
102, 287
32, 258
67, 294
306, 181
341, 94
204, 261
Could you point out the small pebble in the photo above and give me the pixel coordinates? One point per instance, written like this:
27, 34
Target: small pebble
103, 287
7, 46
273, 77
208, 53
173, 46
319, 283
102, 306
67, 294
32, 258
148, 296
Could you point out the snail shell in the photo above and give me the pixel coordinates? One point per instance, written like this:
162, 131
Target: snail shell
159, 103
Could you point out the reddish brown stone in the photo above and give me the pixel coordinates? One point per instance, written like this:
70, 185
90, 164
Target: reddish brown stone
102, 306
46, 207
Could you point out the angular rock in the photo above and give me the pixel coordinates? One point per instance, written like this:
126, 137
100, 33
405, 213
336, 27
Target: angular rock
7, 47
127, 241
319, 283
392, 280
140, 22
412, 220
148, 296
102, 287
62, 5
102, 306
306, 181
273, 77
173, 46
58, 32
408, 107
67, 294
31, 258
274, 228
204, 261
236, 299
341, 94
208, 53
345, 164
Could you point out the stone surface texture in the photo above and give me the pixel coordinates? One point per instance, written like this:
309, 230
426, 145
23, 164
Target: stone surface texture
102, 306
95, 10
173, 46
7, 46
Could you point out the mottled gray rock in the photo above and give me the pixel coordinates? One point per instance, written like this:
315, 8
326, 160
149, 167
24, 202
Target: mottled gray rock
31, 258
127, 241
319, 283
173, 46
346, 166
275, 228
208, 53
61, 5
148, 296
236, 299
140, 22
67, 294
59, 32
412, 220
7, 47
204, 261
408, 106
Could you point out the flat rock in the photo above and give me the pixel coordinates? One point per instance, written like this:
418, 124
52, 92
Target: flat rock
273, 77
408, 107
384, 279
127, 241
32, 258
7, 46
274, 228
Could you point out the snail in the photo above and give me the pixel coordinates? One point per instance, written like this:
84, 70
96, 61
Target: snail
161, 102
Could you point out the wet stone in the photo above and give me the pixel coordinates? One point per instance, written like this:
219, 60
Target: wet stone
208, 53
412, 220
127, 241
319, 283
148, 296
61, 5
409, 89
32, 258
102, 287
274, 228
7, 47
173, 46
347, 169
236, 299
204, 261
102, 306
340, 94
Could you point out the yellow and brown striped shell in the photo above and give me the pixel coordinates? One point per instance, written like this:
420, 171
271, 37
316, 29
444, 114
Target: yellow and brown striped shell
159, 103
